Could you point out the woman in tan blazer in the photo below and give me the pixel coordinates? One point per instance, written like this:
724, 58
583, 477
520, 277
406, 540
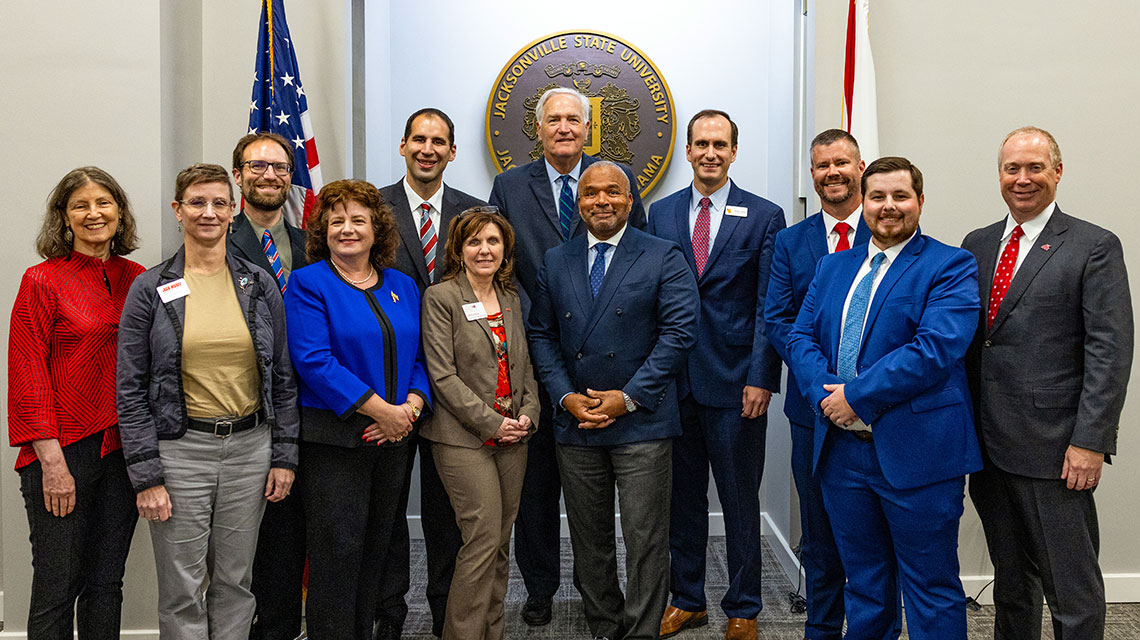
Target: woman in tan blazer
486, 404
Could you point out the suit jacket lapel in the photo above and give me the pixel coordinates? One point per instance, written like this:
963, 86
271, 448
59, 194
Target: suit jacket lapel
835, 296
625, 255
728, 224
895, 270
1051, 236
987, 263
540, 186
862, 232
409, 233
249, 244
469, 296
817, 237
450, 211
681, 219
576, 263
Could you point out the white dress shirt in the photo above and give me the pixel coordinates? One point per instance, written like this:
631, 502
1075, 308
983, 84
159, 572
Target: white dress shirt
829, 223
556, 181
872, 250
592, 253
1032, 230
414, 202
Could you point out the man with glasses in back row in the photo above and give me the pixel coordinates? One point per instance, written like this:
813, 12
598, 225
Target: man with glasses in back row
263, 170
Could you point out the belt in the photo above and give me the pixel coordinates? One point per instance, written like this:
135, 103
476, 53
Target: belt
226, 427
863, 436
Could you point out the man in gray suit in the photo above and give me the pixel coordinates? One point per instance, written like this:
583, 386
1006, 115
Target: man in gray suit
423, 207
1048, 368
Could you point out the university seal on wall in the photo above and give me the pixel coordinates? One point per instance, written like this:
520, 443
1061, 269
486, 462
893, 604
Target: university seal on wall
631, 109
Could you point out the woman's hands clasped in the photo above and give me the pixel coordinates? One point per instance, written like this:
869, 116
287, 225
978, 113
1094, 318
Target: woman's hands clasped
511, 431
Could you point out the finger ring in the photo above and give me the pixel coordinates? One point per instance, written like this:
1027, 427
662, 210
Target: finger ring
154, 519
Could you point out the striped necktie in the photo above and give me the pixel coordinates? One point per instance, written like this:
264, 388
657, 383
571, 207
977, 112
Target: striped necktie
428, 239
565, 207
270, 250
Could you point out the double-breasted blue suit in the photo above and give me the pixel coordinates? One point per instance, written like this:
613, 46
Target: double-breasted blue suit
895, 499
524, 195
732, 351
633, 336
798, 250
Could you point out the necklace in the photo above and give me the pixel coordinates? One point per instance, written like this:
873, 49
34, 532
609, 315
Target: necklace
371, 272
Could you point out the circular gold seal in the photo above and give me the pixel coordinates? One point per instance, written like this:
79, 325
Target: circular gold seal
631, 109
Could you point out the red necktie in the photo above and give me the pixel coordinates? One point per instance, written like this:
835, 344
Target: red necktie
842, 228
1004, 274
701, 236
428, 239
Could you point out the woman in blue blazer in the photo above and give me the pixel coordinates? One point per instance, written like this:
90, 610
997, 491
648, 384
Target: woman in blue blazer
354, 335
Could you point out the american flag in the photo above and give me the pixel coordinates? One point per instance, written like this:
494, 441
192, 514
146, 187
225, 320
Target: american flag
279, 105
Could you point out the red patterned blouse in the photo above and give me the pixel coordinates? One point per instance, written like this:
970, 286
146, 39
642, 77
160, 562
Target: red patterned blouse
503, 383
61, 352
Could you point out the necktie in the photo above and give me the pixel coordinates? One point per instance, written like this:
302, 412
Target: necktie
701, 236
565, 207
270, 250
842, 228
1004, 274
852, 335
598, 269
428, 239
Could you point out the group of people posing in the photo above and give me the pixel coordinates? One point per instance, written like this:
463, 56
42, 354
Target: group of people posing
260, 396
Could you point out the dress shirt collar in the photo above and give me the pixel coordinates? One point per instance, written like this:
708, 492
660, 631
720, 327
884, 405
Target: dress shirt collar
552, 174
1032, 227
829, 221
613, 240
718, 199
414, 199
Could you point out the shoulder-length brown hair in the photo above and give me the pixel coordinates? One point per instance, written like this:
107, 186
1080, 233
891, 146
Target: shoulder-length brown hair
385, 237
51, 241
470, 223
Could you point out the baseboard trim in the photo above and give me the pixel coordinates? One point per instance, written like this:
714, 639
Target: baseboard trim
1118, 587
783, 550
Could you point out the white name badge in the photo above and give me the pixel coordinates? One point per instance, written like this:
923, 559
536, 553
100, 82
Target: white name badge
173, 290
739, 212
474, 311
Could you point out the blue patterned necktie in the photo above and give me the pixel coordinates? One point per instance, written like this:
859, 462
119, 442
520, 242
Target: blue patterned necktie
598, 270
270, 250
852, 335
565, 207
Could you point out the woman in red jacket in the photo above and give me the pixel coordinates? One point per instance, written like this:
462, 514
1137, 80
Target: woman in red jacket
61, 399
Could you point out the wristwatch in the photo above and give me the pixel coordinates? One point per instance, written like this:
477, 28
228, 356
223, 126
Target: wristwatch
630, 405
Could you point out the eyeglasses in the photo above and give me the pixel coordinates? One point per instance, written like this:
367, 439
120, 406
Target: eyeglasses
482, 209
199, 205
259, 167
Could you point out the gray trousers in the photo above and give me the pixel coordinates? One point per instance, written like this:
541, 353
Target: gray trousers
217, 497
642, 474
484, 486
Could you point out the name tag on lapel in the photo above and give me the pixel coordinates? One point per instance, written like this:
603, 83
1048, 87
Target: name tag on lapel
474, 311
739, 212
173, 290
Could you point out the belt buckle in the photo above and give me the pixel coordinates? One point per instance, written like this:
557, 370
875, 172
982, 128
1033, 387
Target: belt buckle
227, 424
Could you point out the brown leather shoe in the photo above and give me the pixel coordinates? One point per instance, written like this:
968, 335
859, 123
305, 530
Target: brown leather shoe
677, 620
740, 629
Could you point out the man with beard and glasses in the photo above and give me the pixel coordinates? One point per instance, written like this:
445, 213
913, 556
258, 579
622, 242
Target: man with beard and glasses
878, 350
836, 169
263, 170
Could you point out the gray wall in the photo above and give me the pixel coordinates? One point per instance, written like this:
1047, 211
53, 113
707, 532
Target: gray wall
953, 79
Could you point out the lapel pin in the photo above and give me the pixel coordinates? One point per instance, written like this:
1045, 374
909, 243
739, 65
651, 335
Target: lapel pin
395, 298
1046, 247
243, 282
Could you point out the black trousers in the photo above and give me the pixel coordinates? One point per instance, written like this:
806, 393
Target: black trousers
279, 569
1044, 540
78, 560
351, 498
538, 536
442, 541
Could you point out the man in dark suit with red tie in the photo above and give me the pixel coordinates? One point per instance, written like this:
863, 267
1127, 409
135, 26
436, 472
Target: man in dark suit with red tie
423, 207
836, 169
726, 235
1049, 369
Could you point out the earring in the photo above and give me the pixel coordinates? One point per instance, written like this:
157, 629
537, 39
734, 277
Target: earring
67, 235
231, 226
179, 226
119, 229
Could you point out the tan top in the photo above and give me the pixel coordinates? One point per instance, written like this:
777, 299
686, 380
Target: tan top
219, 365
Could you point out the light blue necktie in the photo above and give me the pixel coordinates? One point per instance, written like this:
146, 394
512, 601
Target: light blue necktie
565, 207
598, 270
852, 335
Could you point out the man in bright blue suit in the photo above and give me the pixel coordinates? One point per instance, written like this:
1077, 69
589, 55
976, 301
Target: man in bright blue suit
726, 235
836, 169
878, 350
540, 201
612, 320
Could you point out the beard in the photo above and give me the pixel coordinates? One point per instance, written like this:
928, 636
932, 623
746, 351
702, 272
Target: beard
265, 203
847, 194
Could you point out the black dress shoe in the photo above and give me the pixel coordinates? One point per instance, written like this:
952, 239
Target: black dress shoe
536, 612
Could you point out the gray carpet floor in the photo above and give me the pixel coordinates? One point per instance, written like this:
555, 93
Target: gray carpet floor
776, 621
